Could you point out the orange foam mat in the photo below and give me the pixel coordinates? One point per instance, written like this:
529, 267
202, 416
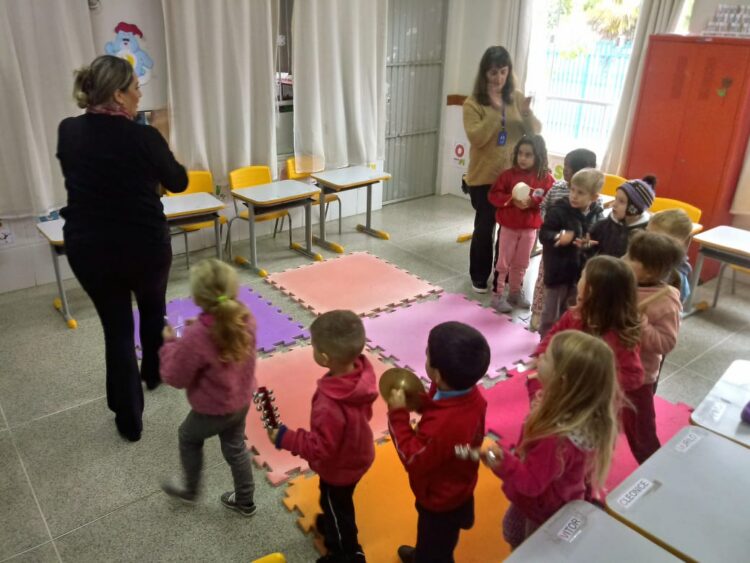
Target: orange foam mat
360, 282
386, 516
293, 377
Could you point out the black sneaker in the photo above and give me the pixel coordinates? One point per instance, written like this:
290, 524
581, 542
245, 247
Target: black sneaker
407, 554
179, 492
479, 287
228, 499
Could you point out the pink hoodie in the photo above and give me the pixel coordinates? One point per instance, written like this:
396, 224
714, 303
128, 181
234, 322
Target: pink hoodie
192, 363
660, 324
339, 445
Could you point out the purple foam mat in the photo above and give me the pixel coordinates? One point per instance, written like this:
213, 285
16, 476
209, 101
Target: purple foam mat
274, 327
402, 333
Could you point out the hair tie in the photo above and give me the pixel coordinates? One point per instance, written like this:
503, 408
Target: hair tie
221, 298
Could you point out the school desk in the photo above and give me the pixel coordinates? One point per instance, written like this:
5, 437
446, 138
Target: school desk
580, 531
189, 208
284, 194
351, 178
728, 245
692, 497
720, 410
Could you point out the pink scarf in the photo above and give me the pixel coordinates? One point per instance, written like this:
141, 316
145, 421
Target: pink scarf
112, 108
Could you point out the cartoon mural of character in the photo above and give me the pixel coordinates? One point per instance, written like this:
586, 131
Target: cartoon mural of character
126, 46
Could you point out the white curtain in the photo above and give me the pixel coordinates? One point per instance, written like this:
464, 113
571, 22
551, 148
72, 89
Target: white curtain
656, 16
338, 59
221, 83
41, 44
515, 18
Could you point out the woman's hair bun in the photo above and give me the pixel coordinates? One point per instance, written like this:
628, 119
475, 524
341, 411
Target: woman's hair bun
82, 86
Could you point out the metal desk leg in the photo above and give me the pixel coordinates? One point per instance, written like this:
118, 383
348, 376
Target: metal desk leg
321, 238
689, 309
61, 303
253, 247
367, 229
307, 249
217, 234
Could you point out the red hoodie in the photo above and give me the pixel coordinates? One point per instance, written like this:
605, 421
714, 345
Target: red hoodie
628, 360
501, 196
440, 480
339, 445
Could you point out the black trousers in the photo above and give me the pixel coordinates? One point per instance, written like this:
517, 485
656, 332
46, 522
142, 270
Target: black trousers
339, 523
481, 254
437, 532
110, 273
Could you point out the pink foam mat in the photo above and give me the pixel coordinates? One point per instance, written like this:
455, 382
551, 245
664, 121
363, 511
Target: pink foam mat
402, 334
293, 377
359, 282
508, 406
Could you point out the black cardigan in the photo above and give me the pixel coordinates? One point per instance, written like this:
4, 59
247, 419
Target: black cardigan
112, 168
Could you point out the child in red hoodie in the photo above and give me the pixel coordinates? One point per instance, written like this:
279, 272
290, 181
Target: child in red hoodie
457, 357
339, 445
519, 217
214, 362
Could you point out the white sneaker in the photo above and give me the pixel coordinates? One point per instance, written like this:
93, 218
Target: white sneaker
479, 288
519, 300
500, 304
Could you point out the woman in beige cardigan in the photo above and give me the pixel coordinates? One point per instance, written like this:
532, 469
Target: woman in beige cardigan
496, 116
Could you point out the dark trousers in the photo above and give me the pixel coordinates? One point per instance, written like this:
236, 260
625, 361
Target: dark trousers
481, 257
339, 523
109, 273
230, 428
437, 532
639, 422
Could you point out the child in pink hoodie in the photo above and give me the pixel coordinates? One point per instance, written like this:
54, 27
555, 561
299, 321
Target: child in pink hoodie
214, 362
652, 256
339, 445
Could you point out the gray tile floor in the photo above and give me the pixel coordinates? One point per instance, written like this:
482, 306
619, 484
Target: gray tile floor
71, 489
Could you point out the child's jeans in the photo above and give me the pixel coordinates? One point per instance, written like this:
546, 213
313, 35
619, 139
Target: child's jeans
230, 428
557, 299
640, 422
513, 257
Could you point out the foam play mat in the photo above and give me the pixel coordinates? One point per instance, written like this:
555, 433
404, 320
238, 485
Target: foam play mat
359, 282
386, 516
401, 334
274, 327
508, 406
293, 377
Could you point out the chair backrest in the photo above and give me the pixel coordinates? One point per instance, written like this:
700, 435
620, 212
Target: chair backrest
611, 183
291, 170
310, 163
662, 203
248, 176
198, 181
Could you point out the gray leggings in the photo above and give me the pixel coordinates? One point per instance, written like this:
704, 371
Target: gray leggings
230, 428
557, 299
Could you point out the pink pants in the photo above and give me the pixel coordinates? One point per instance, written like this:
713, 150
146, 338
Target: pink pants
514, 257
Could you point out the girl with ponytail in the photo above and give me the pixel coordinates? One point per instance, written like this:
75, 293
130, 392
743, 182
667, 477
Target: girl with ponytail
214, 361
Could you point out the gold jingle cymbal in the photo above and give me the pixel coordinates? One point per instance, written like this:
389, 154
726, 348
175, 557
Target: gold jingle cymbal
400, 378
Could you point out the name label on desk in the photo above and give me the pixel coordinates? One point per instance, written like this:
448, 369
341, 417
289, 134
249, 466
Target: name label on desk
572, 528
635, 492
690, 439
717, 410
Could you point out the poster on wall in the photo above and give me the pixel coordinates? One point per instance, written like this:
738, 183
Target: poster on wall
458, 156
134, 31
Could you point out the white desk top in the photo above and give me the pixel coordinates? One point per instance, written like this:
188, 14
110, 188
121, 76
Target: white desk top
729, 239
190, 204
52, 231
693, 495
351, 177
720, 409
276, 193
579, 531
605, 199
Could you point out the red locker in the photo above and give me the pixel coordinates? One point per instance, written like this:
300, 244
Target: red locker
692, 121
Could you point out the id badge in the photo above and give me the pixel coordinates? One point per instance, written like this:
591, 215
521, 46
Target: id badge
502, 138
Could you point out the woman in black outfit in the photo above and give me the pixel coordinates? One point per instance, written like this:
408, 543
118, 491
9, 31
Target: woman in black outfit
116, 235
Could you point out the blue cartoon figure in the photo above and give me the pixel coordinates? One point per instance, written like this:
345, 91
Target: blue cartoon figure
126, 47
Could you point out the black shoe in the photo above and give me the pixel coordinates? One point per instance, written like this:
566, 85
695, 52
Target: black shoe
479, 287
358, 557
151, 385
126, 431
229, 499
179, 492
407, 554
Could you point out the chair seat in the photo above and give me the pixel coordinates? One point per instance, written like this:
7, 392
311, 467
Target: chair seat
328, 198
192, 227
264, 216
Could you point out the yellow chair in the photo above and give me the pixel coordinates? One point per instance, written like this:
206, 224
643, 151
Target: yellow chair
611, 183
246, 177
662, 203
198, 181
272, 558
292, 174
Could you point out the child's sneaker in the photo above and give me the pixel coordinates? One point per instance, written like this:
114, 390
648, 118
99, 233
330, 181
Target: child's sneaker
228, 499
501, 304
518, 299
179, 492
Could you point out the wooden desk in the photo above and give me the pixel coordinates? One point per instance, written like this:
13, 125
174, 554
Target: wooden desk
283, 194
720, 410
692, 497
351, 178
728, 245
579, 531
